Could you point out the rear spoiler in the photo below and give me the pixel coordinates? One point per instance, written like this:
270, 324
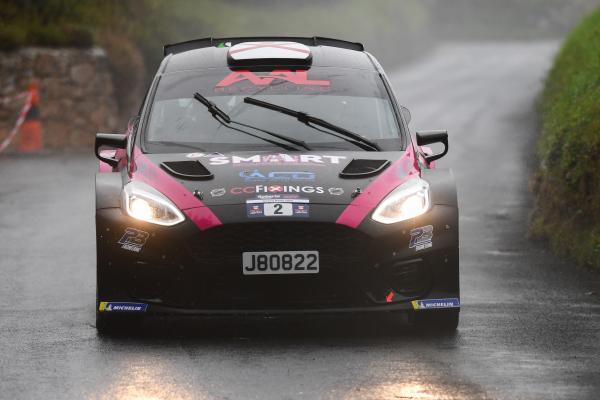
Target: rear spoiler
211, 42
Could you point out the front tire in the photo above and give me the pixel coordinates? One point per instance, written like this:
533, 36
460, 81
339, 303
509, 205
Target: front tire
436, 321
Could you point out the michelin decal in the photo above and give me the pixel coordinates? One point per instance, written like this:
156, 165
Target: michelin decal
435, 303
109, 306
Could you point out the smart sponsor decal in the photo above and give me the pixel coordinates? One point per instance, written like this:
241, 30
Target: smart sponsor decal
133, 239
270, 159
277, 207
277, 176
421, 238
435, 303
110, 306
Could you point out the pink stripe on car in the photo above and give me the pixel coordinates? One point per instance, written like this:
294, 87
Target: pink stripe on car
148, 172
396, 174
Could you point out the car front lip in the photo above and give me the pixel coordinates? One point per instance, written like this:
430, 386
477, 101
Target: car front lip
156, 308
173, 259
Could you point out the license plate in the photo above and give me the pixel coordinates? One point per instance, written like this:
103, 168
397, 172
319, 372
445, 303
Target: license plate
280, 262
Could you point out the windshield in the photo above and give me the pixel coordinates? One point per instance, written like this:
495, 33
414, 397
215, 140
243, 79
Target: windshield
355, 100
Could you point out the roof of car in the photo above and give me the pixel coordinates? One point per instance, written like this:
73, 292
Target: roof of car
212, 53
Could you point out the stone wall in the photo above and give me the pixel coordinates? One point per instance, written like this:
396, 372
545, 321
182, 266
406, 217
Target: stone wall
76, 93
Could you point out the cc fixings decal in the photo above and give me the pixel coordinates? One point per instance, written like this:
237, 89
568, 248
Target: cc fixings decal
276, 189
133, 239
277, 176
421, 238
277, 207
270, 159
435, 303
110, 306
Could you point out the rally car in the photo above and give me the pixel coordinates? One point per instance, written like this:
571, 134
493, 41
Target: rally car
270, 176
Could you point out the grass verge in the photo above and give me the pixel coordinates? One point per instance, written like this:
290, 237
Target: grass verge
567, 183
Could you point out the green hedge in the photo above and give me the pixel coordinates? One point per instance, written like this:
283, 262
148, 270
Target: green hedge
567, 184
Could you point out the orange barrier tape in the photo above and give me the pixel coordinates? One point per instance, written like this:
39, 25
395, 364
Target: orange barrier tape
20, 120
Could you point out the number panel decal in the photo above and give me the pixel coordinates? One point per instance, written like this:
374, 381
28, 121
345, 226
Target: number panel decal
277, 207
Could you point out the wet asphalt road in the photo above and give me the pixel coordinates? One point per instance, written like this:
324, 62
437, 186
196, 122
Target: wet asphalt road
530, 322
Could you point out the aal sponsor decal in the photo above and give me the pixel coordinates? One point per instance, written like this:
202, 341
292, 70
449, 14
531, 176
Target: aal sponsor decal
277, 176
270, 159
298, 77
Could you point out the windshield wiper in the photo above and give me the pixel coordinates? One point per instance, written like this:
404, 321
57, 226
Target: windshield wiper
307, 119
212, 107
225, 119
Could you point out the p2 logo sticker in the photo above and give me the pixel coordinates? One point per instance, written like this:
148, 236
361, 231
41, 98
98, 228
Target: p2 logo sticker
421, 238
133, 239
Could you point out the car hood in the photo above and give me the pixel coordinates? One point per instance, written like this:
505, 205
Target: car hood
235, 178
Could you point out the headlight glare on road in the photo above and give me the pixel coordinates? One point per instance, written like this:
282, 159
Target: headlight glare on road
145, 203
407, 201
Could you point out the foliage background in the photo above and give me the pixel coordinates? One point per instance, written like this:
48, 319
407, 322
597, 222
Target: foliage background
396, 31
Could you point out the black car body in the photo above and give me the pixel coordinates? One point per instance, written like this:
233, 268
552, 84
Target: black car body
274, 176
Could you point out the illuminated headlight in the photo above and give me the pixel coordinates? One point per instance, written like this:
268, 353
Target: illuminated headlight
145, 203
408, 200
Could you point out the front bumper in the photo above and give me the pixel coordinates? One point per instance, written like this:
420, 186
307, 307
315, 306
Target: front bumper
182, 270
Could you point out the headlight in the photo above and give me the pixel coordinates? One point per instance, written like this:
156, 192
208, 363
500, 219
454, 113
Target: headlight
145, 203
408, 200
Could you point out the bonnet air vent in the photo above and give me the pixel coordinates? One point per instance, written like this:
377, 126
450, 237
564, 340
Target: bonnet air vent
357, 169
187, 170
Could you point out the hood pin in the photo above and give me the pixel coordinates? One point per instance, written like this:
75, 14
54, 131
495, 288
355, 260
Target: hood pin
198, 194
356, 192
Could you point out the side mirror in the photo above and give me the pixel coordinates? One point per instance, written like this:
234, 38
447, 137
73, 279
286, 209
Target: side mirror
428, 137
406, 114
116, 141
